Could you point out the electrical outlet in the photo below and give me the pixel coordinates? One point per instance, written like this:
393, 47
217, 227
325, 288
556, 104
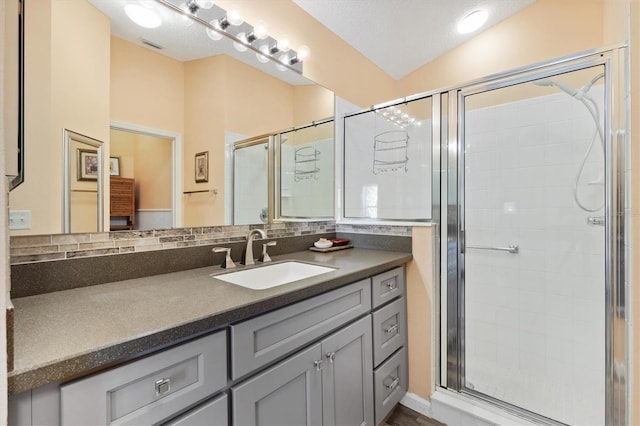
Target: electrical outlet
20, 219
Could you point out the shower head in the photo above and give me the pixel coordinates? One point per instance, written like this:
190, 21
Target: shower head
549, 83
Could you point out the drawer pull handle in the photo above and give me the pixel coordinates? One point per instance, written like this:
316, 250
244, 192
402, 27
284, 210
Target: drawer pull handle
331, 356
163, 387
391, 386
391, 284
393, 329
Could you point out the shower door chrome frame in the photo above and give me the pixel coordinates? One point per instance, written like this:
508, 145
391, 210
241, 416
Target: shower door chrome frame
617, 252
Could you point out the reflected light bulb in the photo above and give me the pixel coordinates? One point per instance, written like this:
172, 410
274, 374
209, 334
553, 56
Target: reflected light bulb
284, 59
283, 45
261, 30
234, 18
213, 35
240, 47
264, 57
205, 4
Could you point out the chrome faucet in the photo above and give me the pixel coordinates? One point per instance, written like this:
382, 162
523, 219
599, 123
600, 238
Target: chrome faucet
247, 255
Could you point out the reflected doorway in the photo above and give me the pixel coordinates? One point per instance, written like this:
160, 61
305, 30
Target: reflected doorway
145, 160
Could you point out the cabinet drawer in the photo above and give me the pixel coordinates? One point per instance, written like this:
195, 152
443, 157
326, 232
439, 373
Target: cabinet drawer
151, 389
387, 286
389, 329
268, 337
390, 384
212, 413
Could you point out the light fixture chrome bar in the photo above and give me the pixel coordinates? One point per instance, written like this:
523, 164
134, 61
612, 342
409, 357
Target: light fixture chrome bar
295, 66
512, 248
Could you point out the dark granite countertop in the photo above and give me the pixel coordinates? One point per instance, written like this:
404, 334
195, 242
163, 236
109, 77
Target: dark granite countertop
67, 334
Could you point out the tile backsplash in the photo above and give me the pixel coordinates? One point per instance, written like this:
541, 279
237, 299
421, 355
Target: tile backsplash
39, 248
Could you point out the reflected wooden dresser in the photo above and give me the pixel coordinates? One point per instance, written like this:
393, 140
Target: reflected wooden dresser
123, 202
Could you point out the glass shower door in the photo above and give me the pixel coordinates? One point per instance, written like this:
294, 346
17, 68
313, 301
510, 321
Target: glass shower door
251, 181
533, 262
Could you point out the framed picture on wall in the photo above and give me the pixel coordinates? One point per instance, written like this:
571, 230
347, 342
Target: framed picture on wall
114, 166
202, 167
87, 164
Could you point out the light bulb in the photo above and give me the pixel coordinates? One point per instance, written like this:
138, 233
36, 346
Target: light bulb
142, 16
234, 18
205, 4
241, 47
264, 56
261, 30
303, 52
283, 45
213, 35
472, 21
284, 58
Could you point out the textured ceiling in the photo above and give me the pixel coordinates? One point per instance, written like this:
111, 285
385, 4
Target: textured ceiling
399, 36
181, 42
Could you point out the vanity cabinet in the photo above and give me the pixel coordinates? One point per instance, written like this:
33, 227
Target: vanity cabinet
338, 358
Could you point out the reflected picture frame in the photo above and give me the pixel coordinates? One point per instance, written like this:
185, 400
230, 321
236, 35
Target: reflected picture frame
87, 164
114, 166
202, 167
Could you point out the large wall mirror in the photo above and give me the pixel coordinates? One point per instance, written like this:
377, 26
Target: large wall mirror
158, 98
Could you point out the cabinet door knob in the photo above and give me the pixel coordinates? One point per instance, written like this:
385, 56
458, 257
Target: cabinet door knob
331, 356
163, 386
391, 284
318, 364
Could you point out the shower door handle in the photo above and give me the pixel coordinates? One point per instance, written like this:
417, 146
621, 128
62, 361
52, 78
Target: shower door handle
513, 248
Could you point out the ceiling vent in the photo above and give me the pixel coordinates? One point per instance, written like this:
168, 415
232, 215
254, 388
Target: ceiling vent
151, 44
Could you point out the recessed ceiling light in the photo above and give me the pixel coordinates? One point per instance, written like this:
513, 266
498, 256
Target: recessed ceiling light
142, 16
472, 21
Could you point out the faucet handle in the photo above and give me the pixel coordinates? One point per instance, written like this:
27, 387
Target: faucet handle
264, 257
227, 263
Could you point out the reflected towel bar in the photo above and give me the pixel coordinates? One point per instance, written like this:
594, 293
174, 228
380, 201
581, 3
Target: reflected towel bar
513, 248
213, 191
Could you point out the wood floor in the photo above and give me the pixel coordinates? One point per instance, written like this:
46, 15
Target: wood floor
403, 416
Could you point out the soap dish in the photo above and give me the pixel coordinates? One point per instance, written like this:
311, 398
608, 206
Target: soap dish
323, 244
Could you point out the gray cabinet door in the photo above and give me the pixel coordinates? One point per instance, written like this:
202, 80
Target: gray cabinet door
347, 380
288, 394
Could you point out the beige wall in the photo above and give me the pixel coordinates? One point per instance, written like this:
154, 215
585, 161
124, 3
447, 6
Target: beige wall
147, 88
419, 313
66, 88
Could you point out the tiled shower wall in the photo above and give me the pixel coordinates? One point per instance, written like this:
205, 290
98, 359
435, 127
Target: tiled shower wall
535, 321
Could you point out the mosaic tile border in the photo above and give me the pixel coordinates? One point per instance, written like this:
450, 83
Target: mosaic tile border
372, 229
41, 248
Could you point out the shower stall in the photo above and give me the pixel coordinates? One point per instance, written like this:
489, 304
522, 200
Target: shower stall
532, 243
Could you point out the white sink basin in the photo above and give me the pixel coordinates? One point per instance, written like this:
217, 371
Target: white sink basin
273, 275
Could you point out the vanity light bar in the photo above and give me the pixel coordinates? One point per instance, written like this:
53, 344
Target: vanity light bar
291, 60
